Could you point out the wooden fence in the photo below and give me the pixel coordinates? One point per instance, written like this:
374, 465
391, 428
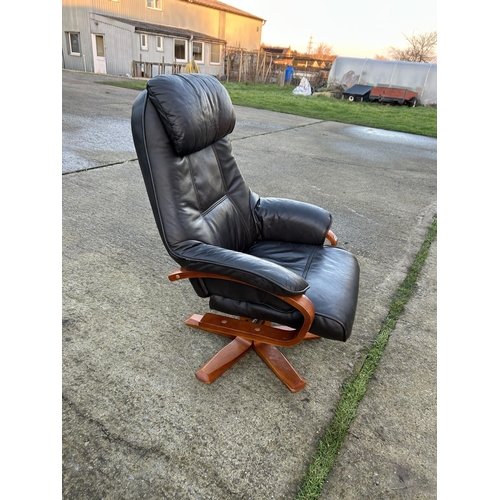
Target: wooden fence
145, 69
262, 67
248, 66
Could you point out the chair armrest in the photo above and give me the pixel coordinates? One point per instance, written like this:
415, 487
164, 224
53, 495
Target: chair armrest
261, 332
332, 238
292, 221
248, 269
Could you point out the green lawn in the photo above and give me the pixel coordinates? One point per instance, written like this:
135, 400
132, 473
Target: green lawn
419, 120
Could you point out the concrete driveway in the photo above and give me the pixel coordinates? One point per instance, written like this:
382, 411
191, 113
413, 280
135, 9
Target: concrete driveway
136, 422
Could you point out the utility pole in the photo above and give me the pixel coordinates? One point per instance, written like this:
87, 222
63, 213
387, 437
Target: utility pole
310, 46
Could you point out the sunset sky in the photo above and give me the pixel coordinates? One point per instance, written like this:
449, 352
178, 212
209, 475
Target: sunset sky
357, 29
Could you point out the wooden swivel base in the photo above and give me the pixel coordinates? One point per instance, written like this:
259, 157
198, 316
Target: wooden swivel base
240, 346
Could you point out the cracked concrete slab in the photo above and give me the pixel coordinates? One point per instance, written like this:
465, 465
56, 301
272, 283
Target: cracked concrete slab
136, 422
391, 450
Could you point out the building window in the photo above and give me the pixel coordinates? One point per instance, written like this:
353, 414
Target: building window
74, 44
180, 50
99, 45
154, 4
215, 53
144, 41
198, 52
159, 43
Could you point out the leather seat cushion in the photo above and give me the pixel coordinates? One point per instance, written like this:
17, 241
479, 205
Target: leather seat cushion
333, 277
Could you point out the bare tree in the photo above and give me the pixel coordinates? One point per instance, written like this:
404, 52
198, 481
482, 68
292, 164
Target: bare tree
421, 47
323, 51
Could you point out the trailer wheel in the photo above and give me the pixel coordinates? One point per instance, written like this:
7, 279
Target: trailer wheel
351, 98
412, 102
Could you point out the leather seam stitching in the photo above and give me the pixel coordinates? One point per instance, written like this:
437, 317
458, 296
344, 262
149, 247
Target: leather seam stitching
309, 262
240, 215
213, 206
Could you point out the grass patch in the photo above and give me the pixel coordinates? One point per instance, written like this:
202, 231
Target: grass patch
126, 84
355, 388
419, 120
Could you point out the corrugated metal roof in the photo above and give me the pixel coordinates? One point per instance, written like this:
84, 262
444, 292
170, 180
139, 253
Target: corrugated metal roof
276, 50
215, 4
159, 29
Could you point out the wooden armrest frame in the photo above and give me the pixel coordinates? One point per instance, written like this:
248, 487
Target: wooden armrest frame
330, 236
260, 332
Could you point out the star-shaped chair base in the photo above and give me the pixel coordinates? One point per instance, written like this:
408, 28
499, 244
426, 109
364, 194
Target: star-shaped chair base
240, 346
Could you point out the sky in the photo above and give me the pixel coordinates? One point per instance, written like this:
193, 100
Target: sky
353, 29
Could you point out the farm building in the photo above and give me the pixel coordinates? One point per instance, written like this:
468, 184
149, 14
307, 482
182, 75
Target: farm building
148, 37
418, 77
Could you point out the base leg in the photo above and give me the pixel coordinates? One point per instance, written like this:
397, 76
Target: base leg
280, 366
311, 336
223, 360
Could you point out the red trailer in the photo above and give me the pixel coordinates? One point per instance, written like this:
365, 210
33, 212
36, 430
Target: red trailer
393, 95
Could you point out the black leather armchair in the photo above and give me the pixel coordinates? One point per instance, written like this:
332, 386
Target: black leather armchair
263, 262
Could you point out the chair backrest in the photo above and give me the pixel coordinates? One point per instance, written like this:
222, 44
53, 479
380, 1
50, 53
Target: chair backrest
197, 193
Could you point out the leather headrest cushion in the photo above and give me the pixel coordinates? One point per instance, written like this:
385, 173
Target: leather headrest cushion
195, 109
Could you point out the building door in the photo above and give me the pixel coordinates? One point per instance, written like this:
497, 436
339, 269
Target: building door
99, 56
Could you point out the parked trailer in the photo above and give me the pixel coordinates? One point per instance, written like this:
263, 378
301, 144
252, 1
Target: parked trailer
393, 95
357, 93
